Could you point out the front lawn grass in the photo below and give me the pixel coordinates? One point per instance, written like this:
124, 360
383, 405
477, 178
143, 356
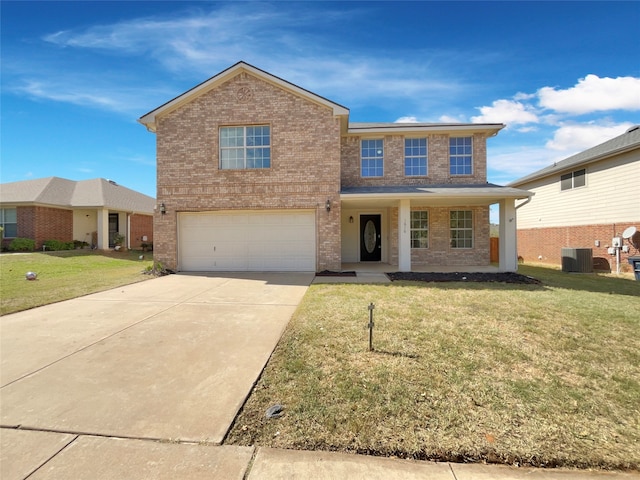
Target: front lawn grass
65, 274
541, 375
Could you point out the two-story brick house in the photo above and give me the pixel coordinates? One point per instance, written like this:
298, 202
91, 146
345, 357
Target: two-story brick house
258, 174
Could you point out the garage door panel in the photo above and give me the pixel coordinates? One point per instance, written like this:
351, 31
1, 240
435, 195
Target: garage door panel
247, 241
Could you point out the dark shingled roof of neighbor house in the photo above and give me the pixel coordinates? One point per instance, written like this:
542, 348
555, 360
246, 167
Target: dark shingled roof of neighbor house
620, 144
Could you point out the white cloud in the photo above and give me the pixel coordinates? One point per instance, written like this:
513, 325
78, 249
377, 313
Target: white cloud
512, 163
593, 94
105, 95
450, 119
506, 111
524, 96
408, 119
48, 91
201, 42
574, 138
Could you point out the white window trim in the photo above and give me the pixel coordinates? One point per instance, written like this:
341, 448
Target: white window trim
572, 173
471, 229
372, 158
426, 157
411, 230
244, 147
470, 137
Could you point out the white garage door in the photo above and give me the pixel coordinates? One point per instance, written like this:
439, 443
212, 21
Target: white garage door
257, 241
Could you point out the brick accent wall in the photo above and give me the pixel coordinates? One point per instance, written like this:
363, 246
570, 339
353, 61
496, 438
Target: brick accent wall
437, 162
439, 252
45, 223
141, 225
544, 245
305, 162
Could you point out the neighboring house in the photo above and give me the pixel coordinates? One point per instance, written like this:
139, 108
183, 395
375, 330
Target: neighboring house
584, 201
91, 211
255, 173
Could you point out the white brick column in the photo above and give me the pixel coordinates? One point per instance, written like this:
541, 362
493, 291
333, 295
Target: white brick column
508, 236
404, 236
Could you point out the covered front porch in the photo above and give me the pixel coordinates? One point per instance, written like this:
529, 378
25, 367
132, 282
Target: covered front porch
444, 228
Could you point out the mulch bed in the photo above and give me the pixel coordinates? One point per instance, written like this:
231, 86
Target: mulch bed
328, 273
501, 277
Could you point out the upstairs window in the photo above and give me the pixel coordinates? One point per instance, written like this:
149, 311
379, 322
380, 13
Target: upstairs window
461, 228
245, 147
415, 157
460, 156
372, 158
420, 229
9, 222
573, 180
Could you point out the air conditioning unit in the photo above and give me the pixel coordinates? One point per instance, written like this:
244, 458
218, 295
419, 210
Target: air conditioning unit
579, 260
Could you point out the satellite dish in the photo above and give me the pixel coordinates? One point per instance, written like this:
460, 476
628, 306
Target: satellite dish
629, 232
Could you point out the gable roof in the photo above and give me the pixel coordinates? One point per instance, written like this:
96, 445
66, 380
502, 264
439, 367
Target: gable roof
629, 140
149, 119
60, 192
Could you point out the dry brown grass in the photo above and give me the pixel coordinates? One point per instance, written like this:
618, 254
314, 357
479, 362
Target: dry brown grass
521, 374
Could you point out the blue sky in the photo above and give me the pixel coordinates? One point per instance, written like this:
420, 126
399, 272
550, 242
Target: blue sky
76, 76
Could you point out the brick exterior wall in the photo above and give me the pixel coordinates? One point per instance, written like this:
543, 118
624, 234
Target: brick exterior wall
304, 172
437, 162
439, 252
140, 226
543, 245
45, 223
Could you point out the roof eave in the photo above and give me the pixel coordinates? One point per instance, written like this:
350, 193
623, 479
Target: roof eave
492, 128
409, 195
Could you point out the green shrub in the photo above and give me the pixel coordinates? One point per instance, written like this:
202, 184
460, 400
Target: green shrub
22, 245
56, 245
118, 239
80, 244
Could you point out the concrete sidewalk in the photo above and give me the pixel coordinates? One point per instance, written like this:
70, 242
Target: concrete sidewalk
144, 381
55, 456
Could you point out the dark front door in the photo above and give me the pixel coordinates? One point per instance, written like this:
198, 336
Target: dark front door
370, 238
114, 227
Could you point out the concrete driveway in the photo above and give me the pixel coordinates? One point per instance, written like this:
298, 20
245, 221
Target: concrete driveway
170, 359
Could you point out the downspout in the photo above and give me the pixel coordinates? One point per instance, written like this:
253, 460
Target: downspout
524, 203
128, 231
516, 219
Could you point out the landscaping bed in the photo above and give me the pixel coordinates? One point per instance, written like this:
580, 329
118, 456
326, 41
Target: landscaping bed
500, 277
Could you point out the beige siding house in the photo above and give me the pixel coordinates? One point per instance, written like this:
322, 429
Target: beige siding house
583, 201
258, 174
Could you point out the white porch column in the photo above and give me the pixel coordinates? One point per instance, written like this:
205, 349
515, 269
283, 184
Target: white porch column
508, 236
103, 229
404, 237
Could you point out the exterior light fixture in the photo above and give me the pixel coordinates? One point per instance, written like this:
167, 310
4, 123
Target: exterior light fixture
163, 208
351, 219
328, 205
